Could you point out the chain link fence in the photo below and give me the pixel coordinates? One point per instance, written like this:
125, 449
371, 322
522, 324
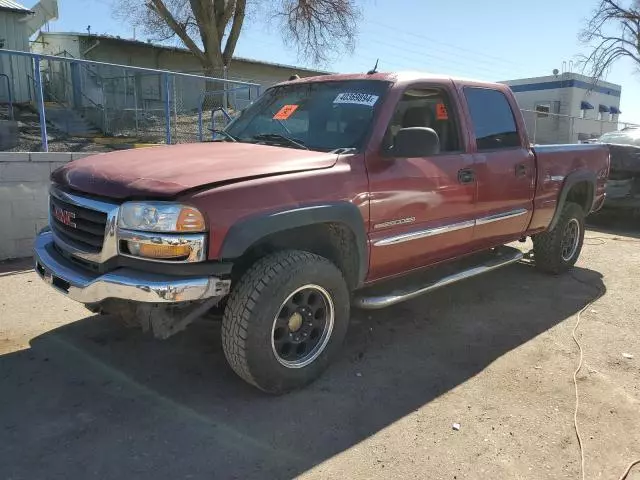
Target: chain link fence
551, 128
81, 102
66, 104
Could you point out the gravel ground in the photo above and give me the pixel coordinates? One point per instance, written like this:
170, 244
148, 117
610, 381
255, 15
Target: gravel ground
151, 130
30, 139
82, 397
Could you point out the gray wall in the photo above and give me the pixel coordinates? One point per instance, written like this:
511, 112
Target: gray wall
24, 187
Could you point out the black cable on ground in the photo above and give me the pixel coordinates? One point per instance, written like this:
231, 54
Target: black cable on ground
601, 292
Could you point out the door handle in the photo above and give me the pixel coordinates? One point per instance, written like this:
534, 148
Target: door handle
466, 175
521, 170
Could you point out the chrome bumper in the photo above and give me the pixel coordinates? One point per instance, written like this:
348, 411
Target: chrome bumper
85, 286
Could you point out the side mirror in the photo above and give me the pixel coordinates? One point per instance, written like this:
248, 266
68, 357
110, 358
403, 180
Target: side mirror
412, 142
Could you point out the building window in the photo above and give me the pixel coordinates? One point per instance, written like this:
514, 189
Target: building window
602, 109
614, 112
543, 110
584, 106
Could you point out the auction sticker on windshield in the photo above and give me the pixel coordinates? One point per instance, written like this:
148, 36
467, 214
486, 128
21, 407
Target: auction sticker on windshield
285, 112
357, 98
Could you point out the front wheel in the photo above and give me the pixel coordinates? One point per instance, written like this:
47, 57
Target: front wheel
557, 250
285, 320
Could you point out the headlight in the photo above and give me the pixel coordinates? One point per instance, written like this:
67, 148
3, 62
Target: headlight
160, 217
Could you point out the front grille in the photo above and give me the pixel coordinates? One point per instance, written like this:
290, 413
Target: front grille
86, 227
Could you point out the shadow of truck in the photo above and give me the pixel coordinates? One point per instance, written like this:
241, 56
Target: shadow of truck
92, 399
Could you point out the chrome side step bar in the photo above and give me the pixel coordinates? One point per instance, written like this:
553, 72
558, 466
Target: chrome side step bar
502, 256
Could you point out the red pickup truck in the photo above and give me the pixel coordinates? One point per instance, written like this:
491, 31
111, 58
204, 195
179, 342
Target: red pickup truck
325, 193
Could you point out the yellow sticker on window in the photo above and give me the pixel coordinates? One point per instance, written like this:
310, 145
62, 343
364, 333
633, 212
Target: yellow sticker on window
285, 112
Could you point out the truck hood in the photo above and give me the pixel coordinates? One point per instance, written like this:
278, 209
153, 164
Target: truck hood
164, 172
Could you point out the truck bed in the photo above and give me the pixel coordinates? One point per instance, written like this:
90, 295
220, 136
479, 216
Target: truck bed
559, 164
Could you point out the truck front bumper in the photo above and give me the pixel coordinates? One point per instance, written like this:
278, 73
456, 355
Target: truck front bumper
85, 286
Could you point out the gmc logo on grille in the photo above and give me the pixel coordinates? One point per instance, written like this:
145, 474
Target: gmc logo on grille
64, 216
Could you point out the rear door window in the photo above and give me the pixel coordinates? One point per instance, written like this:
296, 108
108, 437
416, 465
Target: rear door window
493, 121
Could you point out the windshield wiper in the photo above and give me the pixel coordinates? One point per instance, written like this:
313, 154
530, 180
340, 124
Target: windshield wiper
222, 132
276, 137
343, 150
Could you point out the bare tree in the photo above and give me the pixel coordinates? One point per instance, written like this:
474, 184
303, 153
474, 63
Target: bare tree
210, 28
319, 28
612, 33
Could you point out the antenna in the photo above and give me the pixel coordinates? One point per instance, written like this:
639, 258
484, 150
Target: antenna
556, 72
374, 69
89, 29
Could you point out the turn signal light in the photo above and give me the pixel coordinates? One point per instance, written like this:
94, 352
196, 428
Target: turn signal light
150, 250
190, 220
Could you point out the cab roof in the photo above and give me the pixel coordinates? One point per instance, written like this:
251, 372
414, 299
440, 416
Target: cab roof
401, 78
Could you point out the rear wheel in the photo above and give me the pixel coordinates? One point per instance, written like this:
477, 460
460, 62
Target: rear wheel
285, 320
557, 250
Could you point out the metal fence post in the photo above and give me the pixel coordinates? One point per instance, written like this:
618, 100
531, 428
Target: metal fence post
135, 99
40, 98
106, 128
200, 116
175, 110
6, 77
167, 108
225, 74
76, 88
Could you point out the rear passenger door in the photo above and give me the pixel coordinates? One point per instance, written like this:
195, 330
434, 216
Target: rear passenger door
504, 168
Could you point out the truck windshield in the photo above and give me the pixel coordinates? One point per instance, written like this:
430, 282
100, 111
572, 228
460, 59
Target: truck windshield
321, 116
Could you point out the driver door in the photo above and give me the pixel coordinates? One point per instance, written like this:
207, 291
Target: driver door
421, 209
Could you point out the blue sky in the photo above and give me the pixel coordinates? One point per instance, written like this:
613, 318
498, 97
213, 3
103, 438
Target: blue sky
496, 40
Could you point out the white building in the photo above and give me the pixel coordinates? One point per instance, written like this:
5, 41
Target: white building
17, 24
14, 35
567, 108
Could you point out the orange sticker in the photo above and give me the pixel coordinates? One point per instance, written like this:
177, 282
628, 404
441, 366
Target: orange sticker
441, 112
285, 112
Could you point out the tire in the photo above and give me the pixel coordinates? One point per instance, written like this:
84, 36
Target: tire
551, 250
255, 341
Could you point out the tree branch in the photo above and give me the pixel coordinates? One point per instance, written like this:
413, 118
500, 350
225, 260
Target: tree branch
210, 29
613, 32
209, 34
232, 40
319, 28
223, 12
161, 9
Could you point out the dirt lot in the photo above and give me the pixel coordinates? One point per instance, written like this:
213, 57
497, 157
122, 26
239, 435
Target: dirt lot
81, 397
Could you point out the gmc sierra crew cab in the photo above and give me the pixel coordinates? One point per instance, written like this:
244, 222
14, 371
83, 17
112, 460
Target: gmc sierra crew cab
329, 192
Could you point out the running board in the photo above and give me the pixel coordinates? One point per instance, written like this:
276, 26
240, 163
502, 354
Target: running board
500, 257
